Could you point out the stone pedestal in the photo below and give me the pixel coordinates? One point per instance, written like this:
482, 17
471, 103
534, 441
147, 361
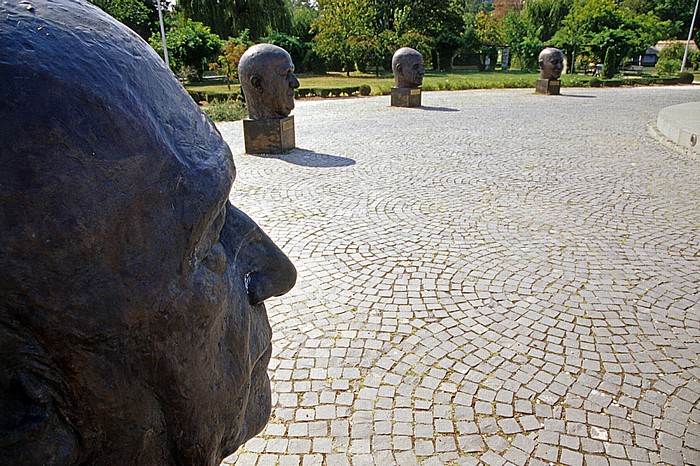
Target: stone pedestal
405, 96
270, 136
548, 86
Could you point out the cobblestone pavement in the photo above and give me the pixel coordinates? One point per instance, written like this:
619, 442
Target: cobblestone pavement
496, 278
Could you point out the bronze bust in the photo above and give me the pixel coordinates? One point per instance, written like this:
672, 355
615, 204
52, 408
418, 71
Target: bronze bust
266, 73
551, 61
132, 323
407, 65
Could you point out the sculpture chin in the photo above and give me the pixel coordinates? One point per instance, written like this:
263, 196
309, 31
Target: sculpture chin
259, 405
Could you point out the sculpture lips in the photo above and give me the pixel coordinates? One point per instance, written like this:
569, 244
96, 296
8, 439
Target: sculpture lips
263, 360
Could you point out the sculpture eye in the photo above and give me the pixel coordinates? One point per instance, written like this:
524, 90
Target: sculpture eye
210, 251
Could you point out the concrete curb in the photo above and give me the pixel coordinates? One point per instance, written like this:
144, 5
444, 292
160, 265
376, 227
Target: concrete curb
681, 124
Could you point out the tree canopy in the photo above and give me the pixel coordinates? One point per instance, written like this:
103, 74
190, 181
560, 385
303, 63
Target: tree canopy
229, 18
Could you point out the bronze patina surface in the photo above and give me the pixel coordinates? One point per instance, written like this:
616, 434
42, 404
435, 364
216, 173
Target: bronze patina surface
132, 323
266, 73
407, 65
551, 62
267, 78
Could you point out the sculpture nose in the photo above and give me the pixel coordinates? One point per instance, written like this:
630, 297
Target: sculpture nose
294, 82
266, 270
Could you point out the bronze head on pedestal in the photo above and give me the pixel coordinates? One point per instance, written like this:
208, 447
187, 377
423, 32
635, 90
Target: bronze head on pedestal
407, 64
132, 323
266, 73
551, 63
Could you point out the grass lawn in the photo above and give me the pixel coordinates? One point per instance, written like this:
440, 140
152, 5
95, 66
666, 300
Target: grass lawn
224, 104
381, 85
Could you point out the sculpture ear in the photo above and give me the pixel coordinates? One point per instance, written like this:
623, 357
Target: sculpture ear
31, 431
399, 68
256, 81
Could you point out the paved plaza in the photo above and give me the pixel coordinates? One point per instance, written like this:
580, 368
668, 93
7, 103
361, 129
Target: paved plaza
497, 278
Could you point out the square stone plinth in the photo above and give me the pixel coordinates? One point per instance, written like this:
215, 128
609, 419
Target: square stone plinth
405, 96
548, 86
270, 136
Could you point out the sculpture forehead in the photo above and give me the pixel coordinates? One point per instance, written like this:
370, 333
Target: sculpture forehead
74, 46
97, 124
263, 56
550, 53
407, 54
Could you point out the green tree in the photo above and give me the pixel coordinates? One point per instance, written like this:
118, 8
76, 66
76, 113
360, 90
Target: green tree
489, 33
601, 24
671, 58
139, 15
357, 32
610, 63
546, 16
341, 28
191, 46
228, 18
522, 37
679, 14
440, 20
231, 52
303, 17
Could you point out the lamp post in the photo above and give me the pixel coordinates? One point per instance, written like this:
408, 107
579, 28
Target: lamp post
162, 34
690, 34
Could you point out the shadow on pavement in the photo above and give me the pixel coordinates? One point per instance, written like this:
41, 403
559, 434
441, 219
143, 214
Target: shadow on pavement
578, 96
437, 109
309, 158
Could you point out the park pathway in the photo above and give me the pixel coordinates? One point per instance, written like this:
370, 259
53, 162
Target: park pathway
495, 278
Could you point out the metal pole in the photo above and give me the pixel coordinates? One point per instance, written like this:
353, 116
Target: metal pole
162, 34
690, 34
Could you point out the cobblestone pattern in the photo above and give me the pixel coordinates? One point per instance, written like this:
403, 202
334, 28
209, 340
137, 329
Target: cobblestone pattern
497, 278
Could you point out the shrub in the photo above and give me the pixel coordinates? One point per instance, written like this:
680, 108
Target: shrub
612, 82
304, 92
227, 110
686, 77
220, 96
196, 95
595, 82
189, 74
365, 89
610, 63
666, 67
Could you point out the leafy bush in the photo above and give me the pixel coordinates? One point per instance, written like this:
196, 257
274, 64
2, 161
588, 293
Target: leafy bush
694, 59
304, 92
189, 74
610, 63
612, 82
221, 96
668, 66
365, 89
197, 96
595, 82
191, 44
226, 110
686, 77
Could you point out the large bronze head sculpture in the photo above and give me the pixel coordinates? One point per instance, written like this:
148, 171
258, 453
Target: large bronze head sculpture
551, 63
132, 324
266, 73
407, 64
